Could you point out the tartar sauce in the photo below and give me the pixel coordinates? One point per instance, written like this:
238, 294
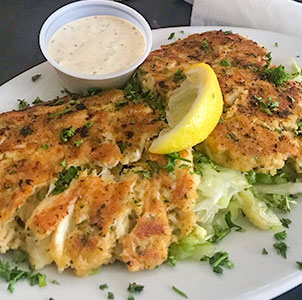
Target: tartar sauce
97, 45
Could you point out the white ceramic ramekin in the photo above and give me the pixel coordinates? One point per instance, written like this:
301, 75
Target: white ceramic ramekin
77, 82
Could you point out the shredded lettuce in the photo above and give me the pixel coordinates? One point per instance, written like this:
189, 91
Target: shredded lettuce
297, 73
195, 245
290, 188
257, 211
216, 189
224, 194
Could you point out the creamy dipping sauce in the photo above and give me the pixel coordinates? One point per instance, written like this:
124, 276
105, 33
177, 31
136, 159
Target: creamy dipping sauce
97, 45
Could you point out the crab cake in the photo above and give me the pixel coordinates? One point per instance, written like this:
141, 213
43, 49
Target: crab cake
259, 126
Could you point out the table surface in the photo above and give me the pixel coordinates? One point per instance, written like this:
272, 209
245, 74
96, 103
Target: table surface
20, 22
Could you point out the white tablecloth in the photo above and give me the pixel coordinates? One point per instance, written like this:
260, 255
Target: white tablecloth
274, 15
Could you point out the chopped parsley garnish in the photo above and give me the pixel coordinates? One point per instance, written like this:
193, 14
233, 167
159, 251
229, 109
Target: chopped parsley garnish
144, 173
110, 295
64, 179
281, 202
299, 263
178, 76
55, 282
280, 236
171, 260
298, 132
123, 145
26, 130
91, 92
219, 260
36, 77
103, 286
262, 178
228, 32
199, 159
228, 220
264, 251
219, 233
232, 137
276, 75
74, 102
89, 124
60, 113
22, 104
285, 222
153, 168
45, 146
204, 45
13, 274
37, 101
172, 158
130, 297
268, 60
178, 291
66, 134
276, 44
120, 104
268, 107
171, 36
281, 248
65, 91
224, 63
135, 288
78, 143
132, 92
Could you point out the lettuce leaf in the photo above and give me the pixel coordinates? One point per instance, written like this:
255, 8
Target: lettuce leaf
194, 245
216, 189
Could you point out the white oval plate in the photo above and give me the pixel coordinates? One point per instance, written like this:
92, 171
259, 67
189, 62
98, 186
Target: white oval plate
254, 276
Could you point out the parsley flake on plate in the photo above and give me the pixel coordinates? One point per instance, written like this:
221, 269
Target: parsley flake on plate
264, 251
285, 222
103, 286
281, 248
171, 36
135, 288
36, 77
280, 236
13, 274
37, 101
22, 104
178, 291
218, 260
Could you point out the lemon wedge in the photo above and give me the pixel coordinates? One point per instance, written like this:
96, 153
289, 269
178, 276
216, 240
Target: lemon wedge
194, 110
